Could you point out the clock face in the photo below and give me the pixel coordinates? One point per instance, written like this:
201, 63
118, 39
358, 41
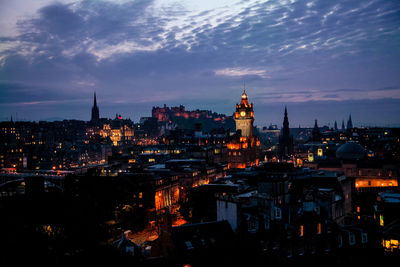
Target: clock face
242, 113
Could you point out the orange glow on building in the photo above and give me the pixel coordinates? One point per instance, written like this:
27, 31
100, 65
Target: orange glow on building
301, 230
176, 194
179, 222
241, 166
117, 135
299, 162
391, 245
374, 182
233, 146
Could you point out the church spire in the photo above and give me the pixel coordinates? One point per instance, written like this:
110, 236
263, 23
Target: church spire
285, 139
350, 123
316, 135
95, 110
94, 100
286, 120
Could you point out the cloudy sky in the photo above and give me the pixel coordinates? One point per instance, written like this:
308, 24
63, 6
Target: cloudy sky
322, 59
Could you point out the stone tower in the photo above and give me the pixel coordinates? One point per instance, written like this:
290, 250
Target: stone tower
244, 116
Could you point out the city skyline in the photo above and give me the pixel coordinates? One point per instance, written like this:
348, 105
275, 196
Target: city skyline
323, 60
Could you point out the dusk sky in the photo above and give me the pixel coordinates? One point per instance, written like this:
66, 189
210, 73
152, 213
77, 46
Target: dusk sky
323, 59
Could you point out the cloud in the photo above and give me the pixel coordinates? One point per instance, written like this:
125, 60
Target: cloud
240, 72
190, 51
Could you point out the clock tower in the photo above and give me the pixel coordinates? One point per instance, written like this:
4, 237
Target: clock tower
244, 116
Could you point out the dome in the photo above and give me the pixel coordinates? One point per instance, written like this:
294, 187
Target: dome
350, 150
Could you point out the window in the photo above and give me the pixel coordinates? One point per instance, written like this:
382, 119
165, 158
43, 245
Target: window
364, 237
340, 241
301, 230
252, 224
266, 224
352, 239
278, 214
319, 228
140, 195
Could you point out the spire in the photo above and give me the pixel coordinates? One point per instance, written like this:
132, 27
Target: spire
285, 119
335, 126
285, 139
316, 135
244, 99
285, 129
350, 123
94, 101
95, 110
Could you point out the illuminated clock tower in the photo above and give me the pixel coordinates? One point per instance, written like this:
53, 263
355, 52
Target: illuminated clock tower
244, 116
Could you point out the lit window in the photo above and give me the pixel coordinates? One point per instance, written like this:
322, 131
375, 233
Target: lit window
301, 230
319, 228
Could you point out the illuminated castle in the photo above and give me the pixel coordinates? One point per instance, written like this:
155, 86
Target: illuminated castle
243, 147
